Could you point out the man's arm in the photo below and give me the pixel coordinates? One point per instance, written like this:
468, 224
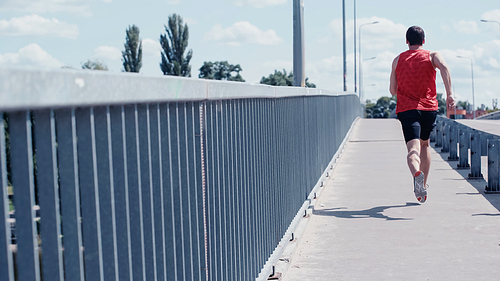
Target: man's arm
393, 88
439, 62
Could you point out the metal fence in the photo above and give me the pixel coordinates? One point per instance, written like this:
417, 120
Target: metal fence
466, 145
123, 177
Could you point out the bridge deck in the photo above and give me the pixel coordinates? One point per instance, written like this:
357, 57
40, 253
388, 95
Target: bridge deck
367, 224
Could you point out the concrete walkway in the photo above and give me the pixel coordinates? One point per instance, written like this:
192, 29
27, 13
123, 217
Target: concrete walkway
367, 224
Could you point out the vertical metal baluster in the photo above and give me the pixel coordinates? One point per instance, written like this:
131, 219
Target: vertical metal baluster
87, 165
144, 162
70, 193
171, 259
106, 192
48, 186
118, 151
6, 261
194, 141
157, 208
189, 190
24, 195
134, 189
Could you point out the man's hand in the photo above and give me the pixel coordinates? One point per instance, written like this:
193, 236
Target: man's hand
450, 102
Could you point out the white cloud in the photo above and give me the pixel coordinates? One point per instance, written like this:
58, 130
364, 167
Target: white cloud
379, 36
30, 55
78, 7
151, 48
190, 21
36, 25
259, 3
242, 32
491, 15
467, 27
107, 52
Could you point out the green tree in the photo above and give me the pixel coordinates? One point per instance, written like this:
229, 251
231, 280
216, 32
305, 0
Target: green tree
174, 44
282, 79
94, 65
381, 109
441, 104
221, 70
132, 56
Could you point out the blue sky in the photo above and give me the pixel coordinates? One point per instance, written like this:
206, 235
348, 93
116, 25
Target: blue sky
257, 34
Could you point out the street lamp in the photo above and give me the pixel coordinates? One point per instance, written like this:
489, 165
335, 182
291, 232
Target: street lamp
492, 21
472, 75
361, 88
360, 62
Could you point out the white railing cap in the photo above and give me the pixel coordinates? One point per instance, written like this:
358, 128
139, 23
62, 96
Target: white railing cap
33, 88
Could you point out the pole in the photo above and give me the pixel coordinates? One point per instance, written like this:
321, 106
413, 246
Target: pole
473, 100
299, 77
355, 68
472, 76
344, 45
361, 91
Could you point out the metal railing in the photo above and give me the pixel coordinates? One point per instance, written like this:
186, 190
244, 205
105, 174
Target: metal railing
461, 141
140, 178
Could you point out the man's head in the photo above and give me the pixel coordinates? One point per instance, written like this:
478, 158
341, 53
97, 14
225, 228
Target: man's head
415, 36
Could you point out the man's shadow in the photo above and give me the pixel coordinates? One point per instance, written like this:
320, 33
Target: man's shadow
375, 212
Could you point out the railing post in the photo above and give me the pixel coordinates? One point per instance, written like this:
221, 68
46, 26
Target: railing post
453, 142
446, 138
493, 167
475, 156
464, 149
439, 134
484, 143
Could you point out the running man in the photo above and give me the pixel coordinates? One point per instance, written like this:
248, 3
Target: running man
413, 80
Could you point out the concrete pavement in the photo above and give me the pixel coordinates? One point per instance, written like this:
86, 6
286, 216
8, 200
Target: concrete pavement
367, 224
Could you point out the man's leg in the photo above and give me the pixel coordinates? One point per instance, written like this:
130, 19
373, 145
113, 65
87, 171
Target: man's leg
413, 157
425, 158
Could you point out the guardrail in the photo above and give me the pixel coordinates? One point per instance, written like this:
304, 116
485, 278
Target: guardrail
142, 178
461, 141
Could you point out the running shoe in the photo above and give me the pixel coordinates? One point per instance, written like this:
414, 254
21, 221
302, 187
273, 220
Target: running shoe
419, 188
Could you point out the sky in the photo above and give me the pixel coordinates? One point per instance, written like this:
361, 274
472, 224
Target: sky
258, 35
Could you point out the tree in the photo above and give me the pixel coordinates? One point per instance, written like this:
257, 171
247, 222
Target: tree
132, 56
221, 70
282, 79
381, 109
174, 44
94, 65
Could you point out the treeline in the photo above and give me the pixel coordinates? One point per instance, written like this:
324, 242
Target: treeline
175, 58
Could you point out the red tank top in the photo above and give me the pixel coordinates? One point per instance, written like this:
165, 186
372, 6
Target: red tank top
416, 78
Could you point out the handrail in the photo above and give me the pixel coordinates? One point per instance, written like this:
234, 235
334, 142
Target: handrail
31, 88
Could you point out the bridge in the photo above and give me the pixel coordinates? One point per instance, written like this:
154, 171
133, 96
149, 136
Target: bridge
125, 177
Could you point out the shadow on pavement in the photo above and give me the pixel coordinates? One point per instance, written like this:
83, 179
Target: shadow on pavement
375, 212
478, 184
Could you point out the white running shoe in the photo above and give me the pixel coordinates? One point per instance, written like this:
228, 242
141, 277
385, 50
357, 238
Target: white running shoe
419, 188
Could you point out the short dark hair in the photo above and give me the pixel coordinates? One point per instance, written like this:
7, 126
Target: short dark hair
415, 35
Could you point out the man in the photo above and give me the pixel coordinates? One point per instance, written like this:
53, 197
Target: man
413, 80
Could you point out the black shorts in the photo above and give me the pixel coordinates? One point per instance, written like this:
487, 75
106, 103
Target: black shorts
417, 124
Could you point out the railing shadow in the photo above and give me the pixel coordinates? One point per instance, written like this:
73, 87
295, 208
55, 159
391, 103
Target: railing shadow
478, 184
375, 212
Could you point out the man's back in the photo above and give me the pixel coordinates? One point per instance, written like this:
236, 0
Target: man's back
416, 80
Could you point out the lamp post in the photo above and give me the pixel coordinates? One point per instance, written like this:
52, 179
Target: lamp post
492, 21
361, 88
360, 58
299, 76
355, 70
472, 75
